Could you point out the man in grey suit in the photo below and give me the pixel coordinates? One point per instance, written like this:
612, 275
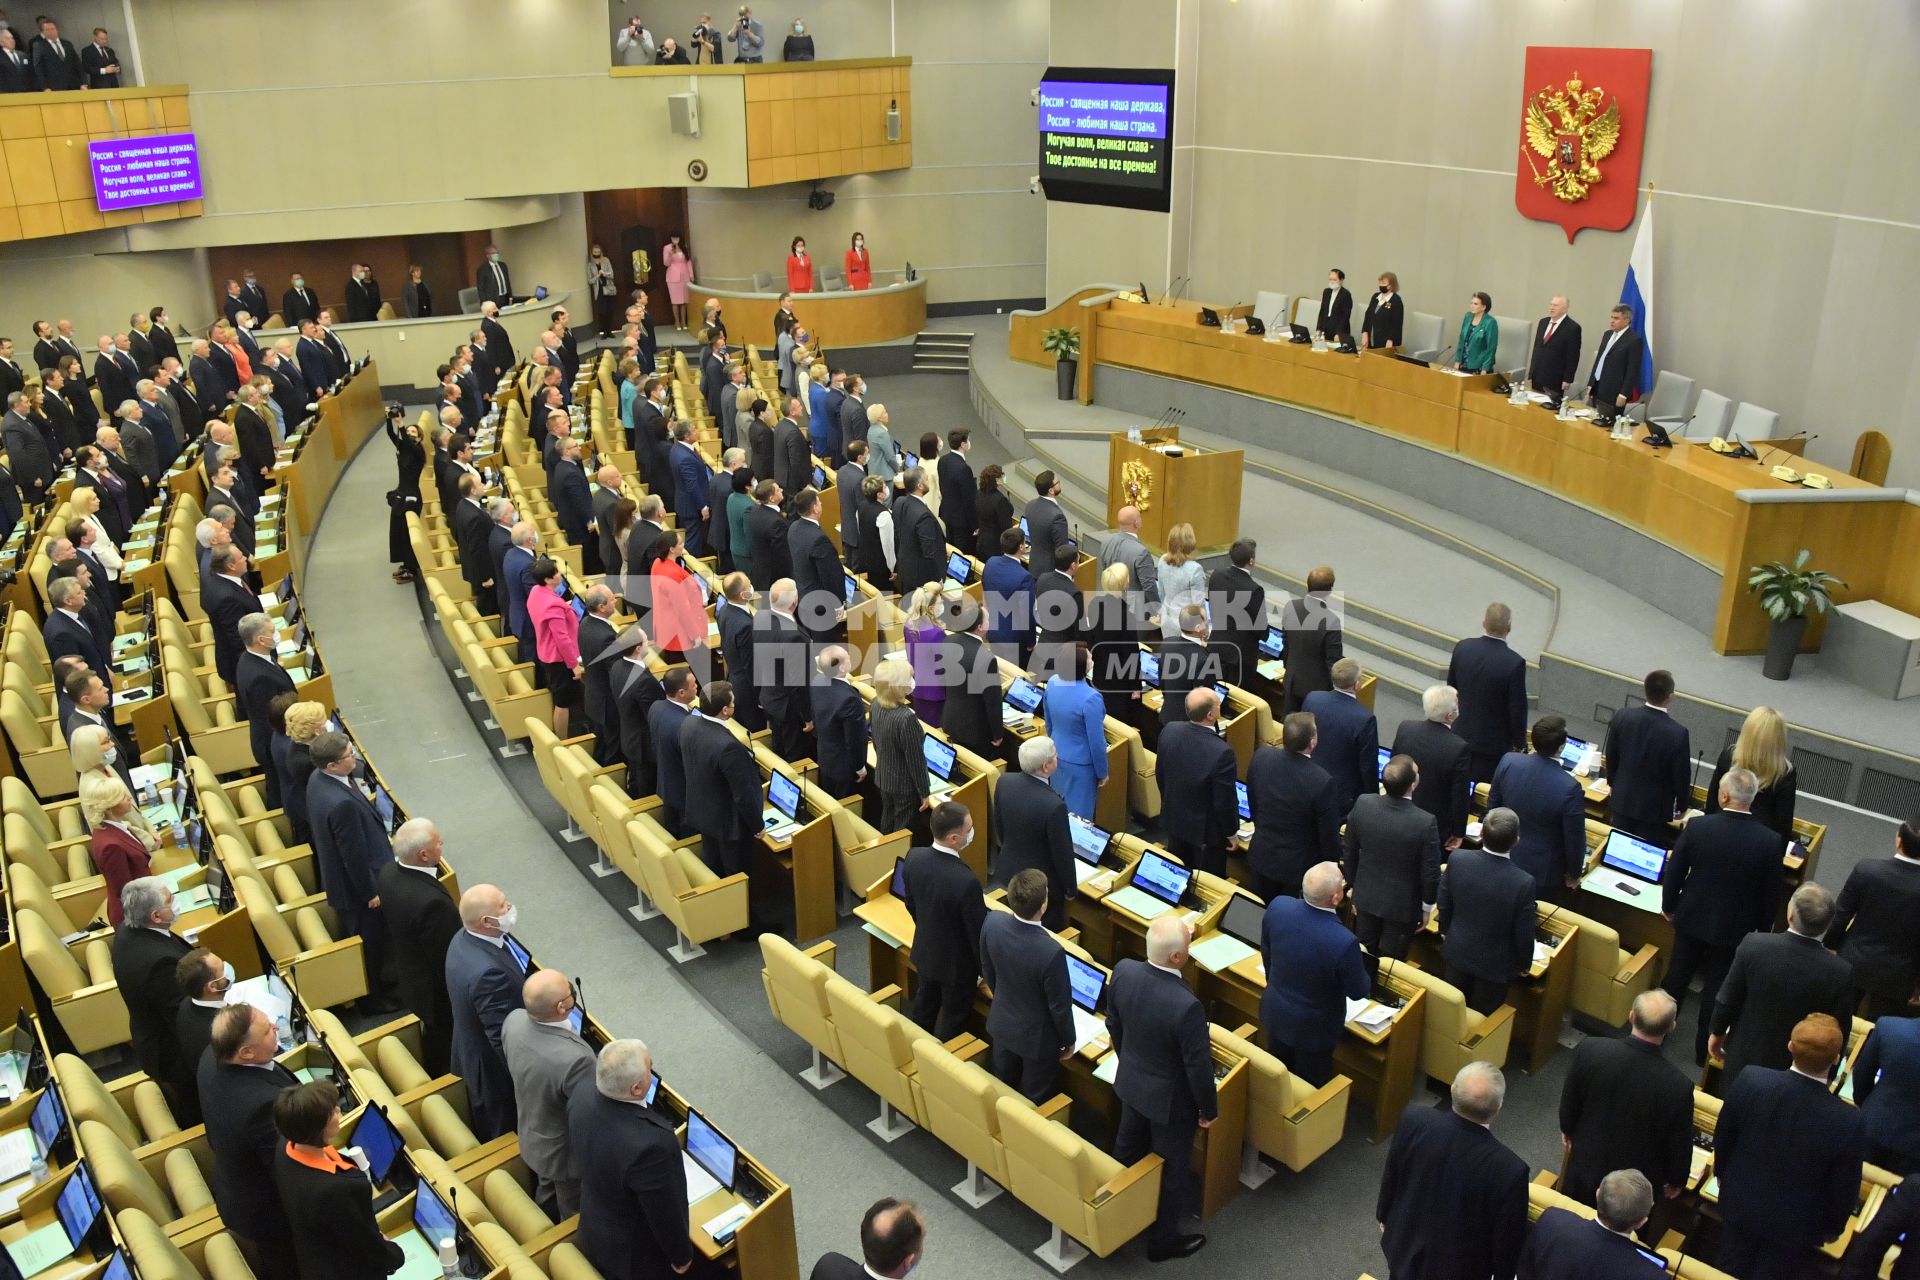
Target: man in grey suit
792, 456
1030, 1022
1047, 528
1125, 547
547, 1060
1392, 861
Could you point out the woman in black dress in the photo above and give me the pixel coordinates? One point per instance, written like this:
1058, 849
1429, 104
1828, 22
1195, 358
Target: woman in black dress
996, 509
411, 455
328, 1198
1115, 626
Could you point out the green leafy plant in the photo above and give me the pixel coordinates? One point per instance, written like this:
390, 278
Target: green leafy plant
1062, 344
1791, 591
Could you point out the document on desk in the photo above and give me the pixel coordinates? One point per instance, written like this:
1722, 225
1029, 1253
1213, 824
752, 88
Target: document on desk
1220, 952
13, 1073
38, 1250
420, 1260
1086, 1028
700, 1183
1083, 871
1107, 1068
265, 993
1542, 953
883, 935
1370, 1014
1139, 902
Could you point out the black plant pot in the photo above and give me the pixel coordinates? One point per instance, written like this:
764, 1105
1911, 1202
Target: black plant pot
1783, 644
1068, 373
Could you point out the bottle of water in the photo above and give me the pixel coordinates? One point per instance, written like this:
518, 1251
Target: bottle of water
37, 1170
449, 1260
1566, 408
179, 835
283, 1031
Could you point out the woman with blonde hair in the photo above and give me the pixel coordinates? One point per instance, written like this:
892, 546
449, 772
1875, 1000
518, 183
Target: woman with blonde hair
96, 754
924, 636
899, 759
1761, 749
1116, 627
122, 843
304, 721
86, 510
1183, 581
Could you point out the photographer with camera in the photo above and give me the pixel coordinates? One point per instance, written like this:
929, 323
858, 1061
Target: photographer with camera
633, 44
748, 37
704, 43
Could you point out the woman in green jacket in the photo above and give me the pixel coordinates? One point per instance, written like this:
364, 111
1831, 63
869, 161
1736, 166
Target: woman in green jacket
739, 502
1479, 336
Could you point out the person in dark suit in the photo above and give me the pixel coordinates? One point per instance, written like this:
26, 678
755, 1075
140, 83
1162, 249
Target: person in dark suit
1624, 1106
792, 455
635, 690
1030, 1022
1453, 1198
1876, 926
735, 616
818, 576
499, 346
1164, 1079
69, 632
1199, 814
633, 1186
1491, 680
310, 353
1616, 366
17, 76
299, 303
920, 546
227, 599
1886, 1087
421, 919
782, 666
258, 680
1392, 861
1059, 613
363, 295
1897, 1222
328, 1198
767, 535
56, 63
691, 487
665, 720
595, 634
1721, 883
892, 1237
839, 723
959, 492
1443, 757
572, 502
1312, 627
1788, 1155
204, 979
1562, 1245
1349, 736
27, 450
1047, 529
238, 1083
483, 987
470, 530
350, 847
1292, 802
1554, 362
146, 958
973, 714
1007, 589
853, 411
1314, 967
1776, 980
943, 896
1386, 317
725, 796
1552, 810
1035, 831
1487, 915
1335, 317
494, 282
1649, 764
1239, 605
648, 525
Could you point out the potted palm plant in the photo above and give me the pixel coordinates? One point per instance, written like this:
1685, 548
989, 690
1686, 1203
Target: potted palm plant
1788, 593
1064, 346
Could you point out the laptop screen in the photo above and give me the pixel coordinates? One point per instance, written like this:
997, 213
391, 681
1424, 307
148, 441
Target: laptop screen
1023, 695
1089, 841
1634, 856
1088, 981
898, 885
1150, 669
1240, 799
285, 589
852, 587
383, 805
710, 1149
432, 1216
1652, 1258
819, 477
1220, 692
521, 956
1570, 754
1274, 643
48, 1118
79, 1205
579, 607
1385, 755
1243, 918
908, 459
959, 568
939, 758
784, 792
374, 1135
1024, 531
118, 1268
1164, 879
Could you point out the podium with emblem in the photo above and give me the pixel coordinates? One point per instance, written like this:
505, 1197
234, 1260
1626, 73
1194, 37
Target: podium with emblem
1175, 483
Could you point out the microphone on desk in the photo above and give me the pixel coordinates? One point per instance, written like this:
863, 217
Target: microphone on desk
1169, 295
1440, 361
1781, 447
1186, 283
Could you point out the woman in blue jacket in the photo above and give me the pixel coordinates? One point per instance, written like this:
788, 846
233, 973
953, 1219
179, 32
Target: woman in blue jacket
1076, 717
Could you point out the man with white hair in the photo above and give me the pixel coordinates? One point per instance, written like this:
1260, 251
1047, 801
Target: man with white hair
1035, 830
633, 1185
146, 956
1445, 760
252, 434
1164, 1079
517, 569
1314, 967
421, 921
136, 441
259, 679
840, 722
1453, 1198
156, 415
499, 346
1562, 1245
548, 1060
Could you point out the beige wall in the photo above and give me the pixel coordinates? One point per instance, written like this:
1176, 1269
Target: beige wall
1384, 136
961, 214
88, 280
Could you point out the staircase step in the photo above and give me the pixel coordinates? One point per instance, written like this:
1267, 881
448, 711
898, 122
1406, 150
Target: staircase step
943, 334
936, 368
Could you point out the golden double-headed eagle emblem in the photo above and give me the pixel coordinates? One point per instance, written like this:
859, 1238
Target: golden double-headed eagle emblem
1136, 478
1572, 128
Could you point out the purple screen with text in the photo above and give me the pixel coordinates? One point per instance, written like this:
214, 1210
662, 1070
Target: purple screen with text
1128, 110
131, 172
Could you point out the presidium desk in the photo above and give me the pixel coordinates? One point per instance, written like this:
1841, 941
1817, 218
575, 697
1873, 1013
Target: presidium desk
1725, 512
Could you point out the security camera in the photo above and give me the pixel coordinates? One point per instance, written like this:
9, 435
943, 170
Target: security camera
1033, 185
1033, 96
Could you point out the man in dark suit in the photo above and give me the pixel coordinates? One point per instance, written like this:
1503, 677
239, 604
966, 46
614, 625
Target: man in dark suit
1876, 927
1453, 1198
363, 295
499, 346
1164, 1079
1239, 605
792, 455
310, 353
943, 897
1292, 803
1649, 764
1491, 680
1788, 1156
782, 666
757, 439
1721, 883
470, 530
253, 298
649, 523
920, 546
767, 535
725, 796
666, 718
493, 281
1552, 810
1314, 967
1555, 360
633, 1184
714, 364
1487, 915
840, 724
1776, 980
350, 847
1313, 628
1896, 1222
959, 492
114, 373
90, 702
1565, 1246
572, 503
1616, 366
227, 599
1059, 613
974, 715
635, 690
68, 631
146, 957
892, 1237
691, 477
238, 1083
734, 615
17, 76
1442, 755
299, 303
1199, 814
258, 680
28, 451
483, 987
421, 919
1392, 861
852, 413
1047, 529
1035, 830
1335, 317
56, 63
818, 576
596, 633
1349, 736
1192, 660
1624, 1106
1030, 1023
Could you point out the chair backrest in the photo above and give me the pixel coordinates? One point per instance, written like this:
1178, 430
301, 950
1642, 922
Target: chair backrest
26, 849
398, 1067
1306, 308
1270, 309
22, 729
268, 924
53, 966
961, 1105
875, 1041
1447, 1022
339, 1041
123, 1181
470, 303
797, 991
1711, 413
1422, 332
513, 1208
19, 681
156, 1257
1751, 422
17, 797
88, 1099
1672, 395
1872, 455
29, 890
450, 1135
1054, 1171
762, 281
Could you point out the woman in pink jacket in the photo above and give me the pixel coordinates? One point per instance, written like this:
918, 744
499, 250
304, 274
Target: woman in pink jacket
556, 640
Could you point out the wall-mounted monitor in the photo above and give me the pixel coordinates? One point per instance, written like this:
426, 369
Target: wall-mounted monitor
1106, 136
129, 173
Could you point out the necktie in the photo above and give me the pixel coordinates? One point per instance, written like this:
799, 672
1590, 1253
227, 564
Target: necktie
1551, 326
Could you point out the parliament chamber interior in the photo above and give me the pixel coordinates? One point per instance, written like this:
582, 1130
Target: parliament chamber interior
516, 766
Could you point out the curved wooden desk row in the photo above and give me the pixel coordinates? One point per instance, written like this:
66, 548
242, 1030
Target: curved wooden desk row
1727, 513
846, 318
410, 350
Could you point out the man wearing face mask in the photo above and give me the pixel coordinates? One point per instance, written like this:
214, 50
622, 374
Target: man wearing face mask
943, 896
483, 986
146, 955
363, 294
253, 298
799, 45
493, 280
350, 845
203, 978
298, 304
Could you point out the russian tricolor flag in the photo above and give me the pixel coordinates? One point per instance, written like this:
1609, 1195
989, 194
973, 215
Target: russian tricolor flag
1637, 293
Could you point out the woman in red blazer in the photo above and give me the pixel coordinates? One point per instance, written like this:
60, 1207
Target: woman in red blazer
679, 605
120, 851
799, 267
859, 265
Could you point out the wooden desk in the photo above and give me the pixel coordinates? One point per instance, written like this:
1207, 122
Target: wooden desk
1414, 400
844, 318
1197, 486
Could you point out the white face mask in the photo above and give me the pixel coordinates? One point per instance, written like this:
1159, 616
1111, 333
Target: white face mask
965, 840
109, 755
299, 283
507, 919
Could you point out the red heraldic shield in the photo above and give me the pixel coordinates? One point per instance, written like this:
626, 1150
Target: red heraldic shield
1583, 121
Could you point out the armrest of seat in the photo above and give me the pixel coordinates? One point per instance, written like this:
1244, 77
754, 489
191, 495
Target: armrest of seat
889, 995
966, 1046
1637, 970
1490, 1027
735, 880
1327, 1093
496, 643
1131, 1178
1055, 1108
576, 741
824, 951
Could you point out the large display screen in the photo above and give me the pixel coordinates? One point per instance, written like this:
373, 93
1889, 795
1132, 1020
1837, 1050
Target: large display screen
131, 172
1106, 136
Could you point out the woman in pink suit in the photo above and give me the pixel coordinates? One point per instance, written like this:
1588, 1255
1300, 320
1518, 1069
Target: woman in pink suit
679, 275
799, 267
859, 265
556, 640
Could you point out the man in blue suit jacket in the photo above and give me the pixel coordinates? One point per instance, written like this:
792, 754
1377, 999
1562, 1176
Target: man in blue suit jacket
483, 987
502, 516
1314, 967
839, 723
350, 846
734, 616
1552, 811
1487, 915
1291, 801
664, 721
1349, 748
690, 478
1030, 1022
1889, 1070
1492, 681
572, 502
1007, 588
517, 567
1036, 833
1565, 1246
819, 579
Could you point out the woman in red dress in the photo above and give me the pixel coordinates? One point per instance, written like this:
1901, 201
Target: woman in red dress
859, 265
799, 267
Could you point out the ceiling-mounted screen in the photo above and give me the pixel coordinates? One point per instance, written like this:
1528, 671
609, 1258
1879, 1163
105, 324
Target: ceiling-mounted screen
1106, 136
